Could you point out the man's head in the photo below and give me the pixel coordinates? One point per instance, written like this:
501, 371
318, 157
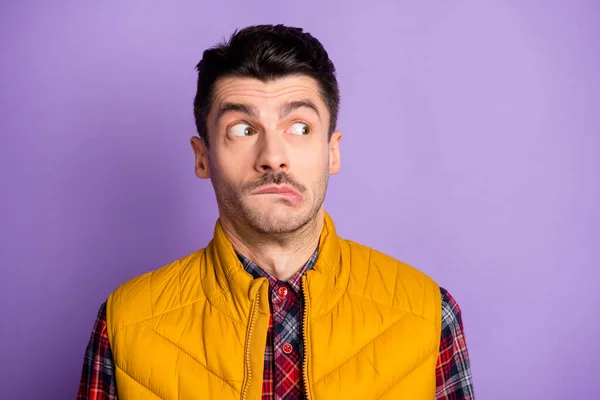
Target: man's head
266, 110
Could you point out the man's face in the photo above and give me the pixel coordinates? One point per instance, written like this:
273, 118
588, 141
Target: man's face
269, 157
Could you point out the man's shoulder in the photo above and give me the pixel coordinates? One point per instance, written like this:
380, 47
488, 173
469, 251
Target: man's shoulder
385, 264
160, 277
379, 275
156, 291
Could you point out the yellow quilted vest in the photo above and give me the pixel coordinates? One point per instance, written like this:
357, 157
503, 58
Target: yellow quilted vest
196, 328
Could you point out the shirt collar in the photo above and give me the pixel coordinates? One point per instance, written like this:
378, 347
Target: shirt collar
294, 281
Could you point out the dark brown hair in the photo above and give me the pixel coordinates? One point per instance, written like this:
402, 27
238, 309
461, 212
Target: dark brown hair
266, 52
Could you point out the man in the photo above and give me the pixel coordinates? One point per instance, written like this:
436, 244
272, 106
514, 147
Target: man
277, 306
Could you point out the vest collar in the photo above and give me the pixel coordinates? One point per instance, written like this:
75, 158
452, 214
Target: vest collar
231, 289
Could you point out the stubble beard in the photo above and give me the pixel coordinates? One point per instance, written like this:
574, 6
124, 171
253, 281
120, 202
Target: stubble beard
277, 220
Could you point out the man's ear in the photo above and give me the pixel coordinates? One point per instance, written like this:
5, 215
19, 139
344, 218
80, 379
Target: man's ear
334, 153
200, 157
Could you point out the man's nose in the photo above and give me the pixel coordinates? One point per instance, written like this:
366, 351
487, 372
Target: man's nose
273, 153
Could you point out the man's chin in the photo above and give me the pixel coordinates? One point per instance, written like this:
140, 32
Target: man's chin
277, 219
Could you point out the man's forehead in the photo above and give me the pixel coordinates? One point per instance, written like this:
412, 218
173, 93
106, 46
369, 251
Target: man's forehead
236, 89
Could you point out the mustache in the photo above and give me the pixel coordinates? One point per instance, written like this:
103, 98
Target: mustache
277, 178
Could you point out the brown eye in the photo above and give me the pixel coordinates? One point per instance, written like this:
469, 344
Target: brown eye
241, 130
300, 128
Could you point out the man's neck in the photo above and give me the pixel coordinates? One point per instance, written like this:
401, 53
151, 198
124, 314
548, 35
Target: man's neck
280, 256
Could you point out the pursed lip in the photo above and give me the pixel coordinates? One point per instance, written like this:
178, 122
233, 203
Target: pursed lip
275, 189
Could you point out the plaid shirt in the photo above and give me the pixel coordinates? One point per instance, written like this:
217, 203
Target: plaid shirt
282, 378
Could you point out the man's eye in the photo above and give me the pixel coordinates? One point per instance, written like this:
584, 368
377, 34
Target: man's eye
241, 130
300, 128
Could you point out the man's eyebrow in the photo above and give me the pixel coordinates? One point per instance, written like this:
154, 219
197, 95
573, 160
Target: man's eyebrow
294, 105
254, 113
237, 107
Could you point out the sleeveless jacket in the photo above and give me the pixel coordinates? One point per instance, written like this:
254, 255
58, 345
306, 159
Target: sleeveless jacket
196, 328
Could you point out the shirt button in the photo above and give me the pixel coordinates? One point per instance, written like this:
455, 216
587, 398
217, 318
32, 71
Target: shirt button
287, 348
282, 291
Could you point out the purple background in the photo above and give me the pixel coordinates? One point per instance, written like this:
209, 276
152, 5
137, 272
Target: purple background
470, 150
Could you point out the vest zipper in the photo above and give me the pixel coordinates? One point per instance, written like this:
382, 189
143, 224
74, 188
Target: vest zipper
248, 341
305, 339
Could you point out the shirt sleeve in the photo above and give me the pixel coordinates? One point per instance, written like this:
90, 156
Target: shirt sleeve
453, 370
98, 376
